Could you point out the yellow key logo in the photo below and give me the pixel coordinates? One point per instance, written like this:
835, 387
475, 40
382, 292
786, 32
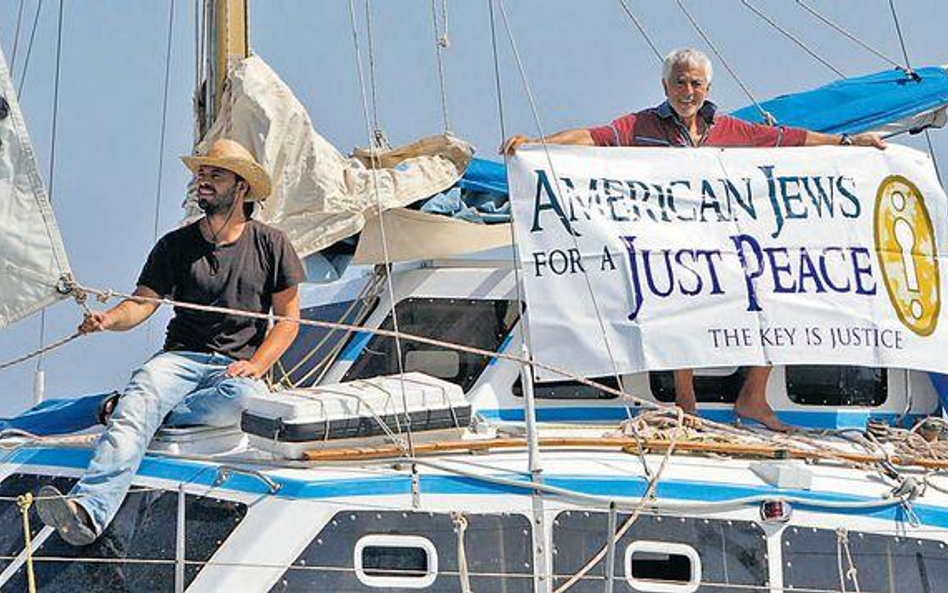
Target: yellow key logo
905, 244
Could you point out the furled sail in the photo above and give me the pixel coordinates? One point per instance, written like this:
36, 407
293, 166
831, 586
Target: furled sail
33, 261
320, 196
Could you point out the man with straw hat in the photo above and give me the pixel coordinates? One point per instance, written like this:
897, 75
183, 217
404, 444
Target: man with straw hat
210, 361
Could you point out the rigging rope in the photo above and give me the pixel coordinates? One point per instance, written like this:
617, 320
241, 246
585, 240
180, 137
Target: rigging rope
647, 497
850, 36
52, 163
549, 159
442, 42
767, 117
25, 502
16, 36
381, 218
377, 139
792, 37
40, 351
161, 142
641, 29
928, 136
29, 50
164, 119
460, 528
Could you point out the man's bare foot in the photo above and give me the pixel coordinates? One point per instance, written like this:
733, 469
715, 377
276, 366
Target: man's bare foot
761, 413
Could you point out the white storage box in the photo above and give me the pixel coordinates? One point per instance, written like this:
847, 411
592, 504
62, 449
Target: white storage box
351, 414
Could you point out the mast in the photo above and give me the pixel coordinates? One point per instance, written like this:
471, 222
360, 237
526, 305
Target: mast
225, 37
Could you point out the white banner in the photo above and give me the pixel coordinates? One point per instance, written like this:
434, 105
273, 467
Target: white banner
718, 257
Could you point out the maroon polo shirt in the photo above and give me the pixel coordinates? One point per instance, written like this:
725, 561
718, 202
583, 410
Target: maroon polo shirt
660, 126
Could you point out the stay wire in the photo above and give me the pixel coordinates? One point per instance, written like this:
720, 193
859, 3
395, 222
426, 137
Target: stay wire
52, 157
641, 29
29, 51
381, 220
908, 65
770, 21
378, 137
522, 328
546, 149
161, 142
767, 117
16, 35
442, 43
839, 29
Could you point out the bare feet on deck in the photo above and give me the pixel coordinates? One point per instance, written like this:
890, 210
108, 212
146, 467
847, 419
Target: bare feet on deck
759, 412
752, 403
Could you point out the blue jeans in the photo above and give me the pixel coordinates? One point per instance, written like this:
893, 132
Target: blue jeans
186, 387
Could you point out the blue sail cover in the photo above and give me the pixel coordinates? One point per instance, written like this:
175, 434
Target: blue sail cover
850, 105
855, 105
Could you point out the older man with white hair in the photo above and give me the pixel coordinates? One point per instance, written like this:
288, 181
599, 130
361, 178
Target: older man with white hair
688, 119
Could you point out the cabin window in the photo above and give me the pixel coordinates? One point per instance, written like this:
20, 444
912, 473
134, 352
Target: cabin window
662, 567
315, 347
818, 559
812, 385
719, 385
479, 323
403, 550
669, 554
566, 390
136, 552
408, 561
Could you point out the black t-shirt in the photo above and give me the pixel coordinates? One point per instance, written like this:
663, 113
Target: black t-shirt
243, 275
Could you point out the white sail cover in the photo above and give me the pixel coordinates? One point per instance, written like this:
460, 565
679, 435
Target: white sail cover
32, 258
320, 196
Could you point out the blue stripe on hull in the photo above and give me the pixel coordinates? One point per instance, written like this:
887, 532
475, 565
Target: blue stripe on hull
807, 419
614, 486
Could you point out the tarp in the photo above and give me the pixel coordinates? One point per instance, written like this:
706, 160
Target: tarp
32, 258
722, 257
59, 416
858, 104
411, 235
319, 195
889, 102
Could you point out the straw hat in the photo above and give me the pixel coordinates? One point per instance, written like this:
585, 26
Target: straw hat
231, 155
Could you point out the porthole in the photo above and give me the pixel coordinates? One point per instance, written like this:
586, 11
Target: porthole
661, 567
393, 561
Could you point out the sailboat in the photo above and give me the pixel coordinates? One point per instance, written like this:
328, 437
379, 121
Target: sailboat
408, 445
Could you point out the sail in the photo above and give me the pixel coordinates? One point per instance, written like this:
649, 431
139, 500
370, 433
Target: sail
33, 261
888, 102
320, 196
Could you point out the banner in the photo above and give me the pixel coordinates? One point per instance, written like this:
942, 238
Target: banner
645, 259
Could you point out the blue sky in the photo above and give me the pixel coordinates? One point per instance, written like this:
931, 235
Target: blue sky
585, 61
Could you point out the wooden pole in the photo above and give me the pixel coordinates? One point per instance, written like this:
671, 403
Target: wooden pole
627, 445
